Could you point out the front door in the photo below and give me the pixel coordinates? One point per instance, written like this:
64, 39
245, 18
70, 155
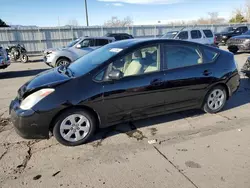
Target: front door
139, 92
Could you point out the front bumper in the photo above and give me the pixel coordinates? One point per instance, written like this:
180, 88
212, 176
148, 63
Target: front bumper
50, 60
240, 47
28, 123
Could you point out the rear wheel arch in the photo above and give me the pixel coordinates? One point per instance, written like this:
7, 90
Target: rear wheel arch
86, 108
219, 84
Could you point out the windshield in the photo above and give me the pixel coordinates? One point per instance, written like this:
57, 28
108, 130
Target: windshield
93, 59
228, 29
73, 43
170, 35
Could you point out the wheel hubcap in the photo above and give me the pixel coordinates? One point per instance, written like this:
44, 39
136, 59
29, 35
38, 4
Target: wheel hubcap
63, 63
75, 127
216, 99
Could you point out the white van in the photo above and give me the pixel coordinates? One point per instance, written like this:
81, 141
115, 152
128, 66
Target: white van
203, 36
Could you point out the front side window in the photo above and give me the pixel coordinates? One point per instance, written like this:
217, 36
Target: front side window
101, 42
141, 61
177, 56
195, 34
87, 43
183, 35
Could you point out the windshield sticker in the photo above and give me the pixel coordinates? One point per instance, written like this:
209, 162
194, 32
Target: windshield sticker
115, 50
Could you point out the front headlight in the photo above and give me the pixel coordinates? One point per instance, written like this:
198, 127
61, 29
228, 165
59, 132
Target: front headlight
224, 37
34, 98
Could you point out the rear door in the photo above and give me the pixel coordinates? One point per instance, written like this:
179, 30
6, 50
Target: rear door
187, 75
196, 36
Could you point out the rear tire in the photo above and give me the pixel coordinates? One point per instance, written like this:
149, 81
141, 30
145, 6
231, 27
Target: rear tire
62, 61
215, 100
74, 127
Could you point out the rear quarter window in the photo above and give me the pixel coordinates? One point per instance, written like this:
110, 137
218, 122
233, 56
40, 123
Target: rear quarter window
208, 33
210, 54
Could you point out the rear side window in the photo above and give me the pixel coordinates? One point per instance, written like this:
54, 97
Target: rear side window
183, 35
210, 54
177, 56
195, 34
125, 37
101, 42
208, 33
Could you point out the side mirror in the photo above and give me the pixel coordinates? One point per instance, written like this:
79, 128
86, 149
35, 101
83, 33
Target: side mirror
115, 75
78, 46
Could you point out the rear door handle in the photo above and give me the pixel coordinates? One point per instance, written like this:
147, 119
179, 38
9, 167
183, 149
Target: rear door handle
156, 82
207, 72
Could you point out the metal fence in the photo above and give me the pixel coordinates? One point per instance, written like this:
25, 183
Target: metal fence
36, 39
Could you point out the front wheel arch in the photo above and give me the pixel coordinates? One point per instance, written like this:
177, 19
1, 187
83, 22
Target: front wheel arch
62, 57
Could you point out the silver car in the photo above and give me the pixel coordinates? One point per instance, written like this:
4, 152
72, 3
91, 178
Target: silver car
4, 59
62, 56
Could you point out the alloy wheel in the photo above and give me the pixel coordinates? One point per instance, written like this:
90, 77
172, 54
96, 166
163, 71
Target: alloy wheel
75, 127
216, 99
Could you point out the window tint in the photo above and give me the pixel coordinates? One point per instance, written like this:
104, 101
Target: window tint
195, 34
177, 56
125, 37
142, 61
101, 42
118, 37
208, 33
210, 54
87, 43
183, 35
244, 29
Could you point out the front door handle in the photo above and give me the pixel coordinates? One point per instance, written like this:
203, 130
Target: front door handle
156, 82
207, 72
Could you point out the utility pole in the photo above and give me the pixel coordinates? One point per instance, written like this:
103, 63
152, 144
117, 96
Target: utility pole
86, 11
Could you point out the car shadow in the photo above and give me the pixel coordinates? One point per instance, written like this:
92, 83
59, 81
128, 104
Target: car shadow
241, 97
23, 73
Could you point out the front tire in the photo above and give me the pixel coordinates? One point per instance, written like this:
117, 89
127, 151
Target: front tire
74, 127
233, 50
215, 100
62, 61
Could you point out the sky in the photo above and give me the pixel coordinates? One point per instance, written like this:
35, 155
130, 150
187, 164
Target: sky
60, 12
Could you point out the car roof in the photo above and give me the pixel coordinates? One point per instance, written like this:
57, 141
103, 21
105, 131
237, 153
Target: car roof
108, 38
117, 34
134, 42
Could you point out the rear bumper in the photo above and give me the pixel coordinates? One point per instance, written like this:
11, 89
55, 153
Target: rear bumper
233, 83
28, 123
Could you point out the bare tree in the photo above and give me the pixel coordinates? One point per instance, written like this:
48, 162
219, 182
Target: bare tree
115, 22
73, 22
247, 10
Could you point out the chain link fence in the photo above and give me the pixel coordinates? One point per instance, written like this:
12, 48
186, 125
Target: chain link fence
37, 39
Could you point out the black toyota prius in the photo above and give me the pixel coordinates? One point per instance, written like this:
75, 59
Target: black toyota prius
123, 81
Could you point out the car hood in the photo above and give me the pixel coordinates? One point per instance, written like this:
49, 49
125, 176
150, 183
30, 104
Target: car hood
241, 37
50, 78
50, 50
